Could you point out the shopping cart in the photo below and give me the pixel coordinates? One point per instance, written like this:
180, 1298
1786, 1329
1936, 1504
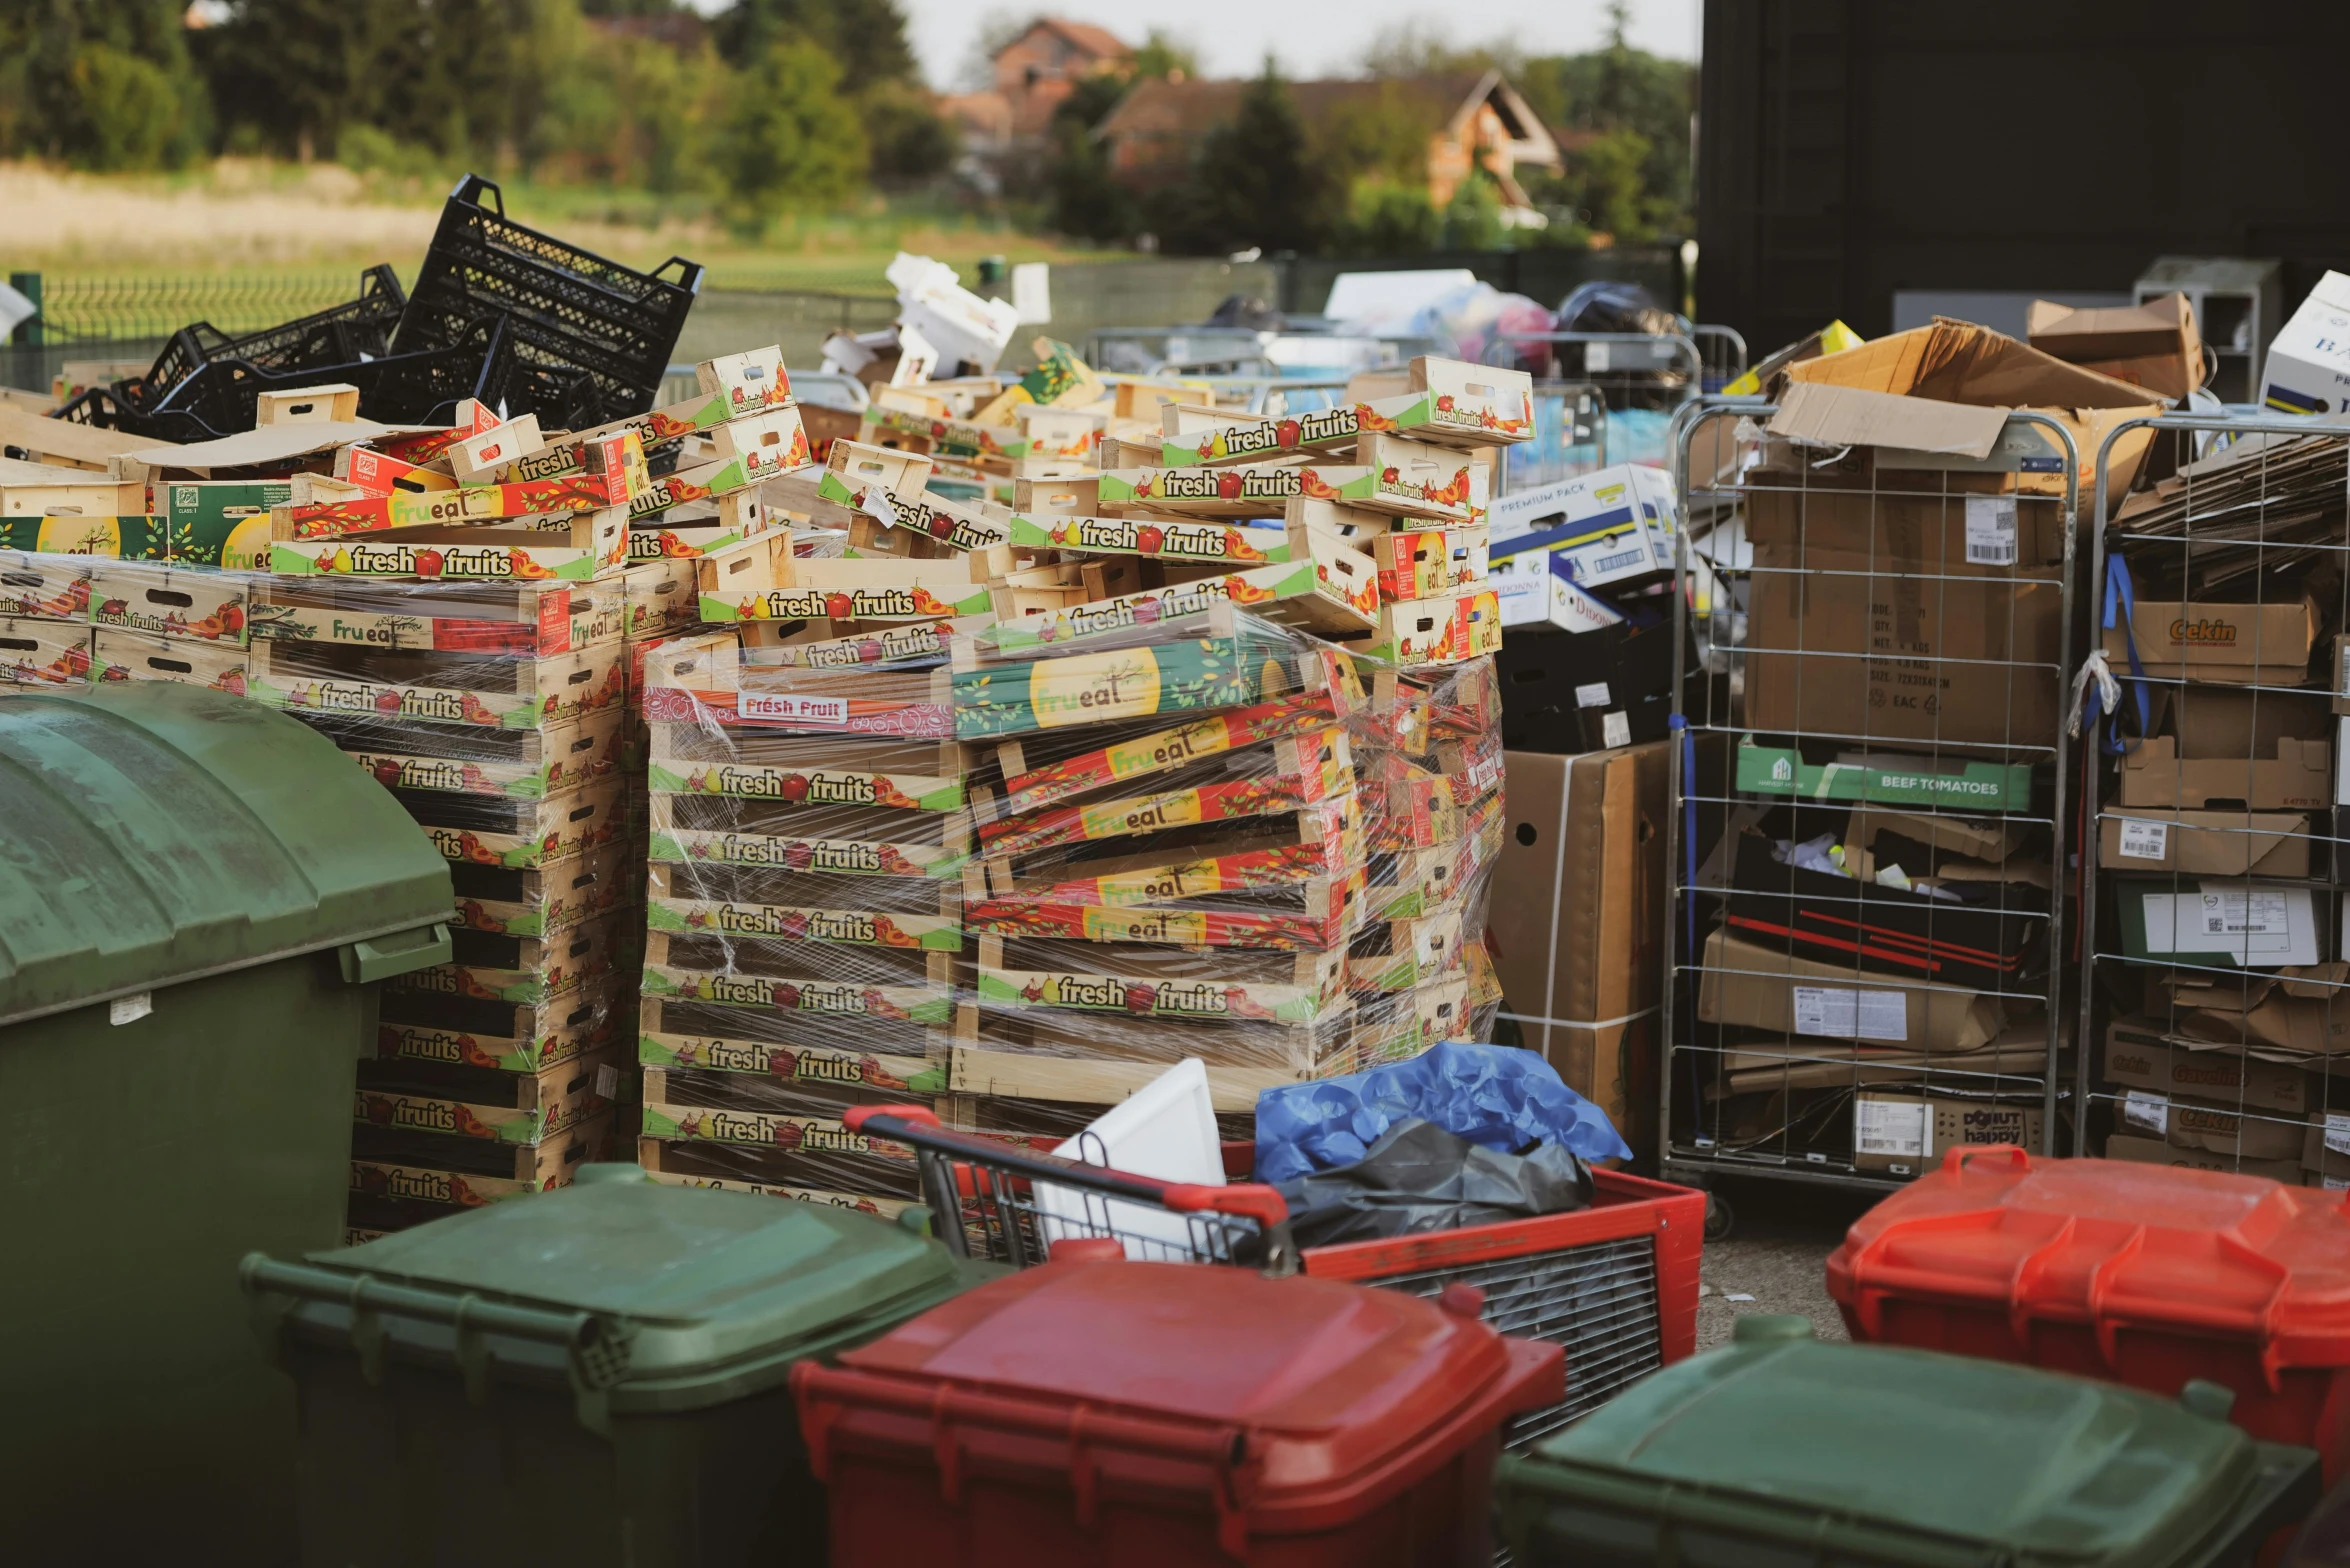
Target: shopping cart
990, 1200
1614, 1284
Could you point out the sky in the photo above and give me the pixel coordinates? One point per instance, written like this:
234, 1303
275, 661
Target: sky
1308, 37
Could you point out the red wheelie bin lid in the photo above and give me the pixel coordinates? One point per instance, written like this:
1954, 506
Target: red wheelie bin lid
1297, 1404
2114, 1245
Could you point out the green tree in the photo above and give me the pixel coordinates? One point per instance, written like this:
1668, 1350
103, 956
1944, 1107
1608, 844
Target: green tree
910, 141
1633, 180
1161, 56
99, 83
866, 37
1082, 197
789, 138
1388, 217
1253, 182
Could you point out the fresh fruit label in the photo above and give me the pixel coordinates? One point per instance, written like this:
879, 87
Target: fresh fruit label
167, 602
749, 382
810, 787
882, 645
707, 482
460, 1048
833, 857
485, 1123
451, 1189
1478, 402
793, 923
1018, 916
44, 653
793, 1134
551, 913
566, 769
1234, 489
552, 618
763, 445
1299, 585
1172, 748
1155, 539
549, 695
446, 562
44, 587
793, 1064
919, 601
955, 437
1169, 999
528, 987
918, 1003
878, 1207
1437, 631
566, 827
949, 522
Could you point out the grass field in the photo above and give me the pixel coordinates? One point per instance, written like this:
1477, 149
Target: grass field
244, 215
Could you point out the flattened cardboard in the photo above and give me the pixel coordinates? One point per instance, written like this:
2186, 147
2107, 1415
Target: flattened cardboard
2299, 777
1751, 985
2300, 1011
2154, 345
2205, 843
2138, 1055
2158, 1151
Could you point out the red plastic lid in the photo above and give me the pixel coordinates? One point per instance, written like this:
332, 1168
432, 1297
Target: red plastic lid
1296, 1393
2112, 1244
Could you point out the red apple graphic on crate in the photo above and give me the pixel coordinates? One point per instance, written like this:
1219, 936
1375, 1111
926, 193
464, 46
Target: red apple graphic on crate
799, 857
788, 1135
387, 771
870, 651
1149, 537
793, 789
1141, 998
1229, 484
1288, 433
839, 606
428, 563
387, 701
783, 1063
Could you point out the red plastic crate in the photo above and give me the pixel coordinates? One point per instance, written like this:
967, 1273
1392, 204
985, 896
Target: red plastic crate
1614, 1285
2148, 1275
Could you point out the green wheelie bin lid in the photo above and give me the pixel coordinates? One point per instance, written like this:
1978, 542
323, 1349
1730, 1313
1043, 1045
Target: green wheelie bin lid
650, 1299
1779, 1451
159, 833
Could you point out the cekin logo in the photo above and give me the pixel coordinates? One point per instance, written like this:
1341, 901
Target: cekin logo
2204, 631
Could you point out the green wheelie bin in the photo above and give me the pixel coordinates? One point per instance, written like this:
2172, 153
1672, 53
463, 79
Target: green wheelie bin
594, 1377
1778, 1451
197, 896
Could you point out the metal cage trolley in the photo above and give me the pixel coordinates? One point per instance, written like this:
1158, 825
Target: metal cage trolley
2212, 852
1865, 911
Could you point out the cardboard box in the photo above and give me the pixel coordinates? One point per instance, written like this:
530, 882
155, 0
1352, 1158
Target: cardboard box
1581, 968
2246, 644
2308, 369
1885, 780
2206, 843
2221, 721
1903, 1135
2138, 1055
44, 653
2219, 1128
2325, 1146
36, 586
1946, 389
2160, 1151
476, 460
117, 655
330, 403
1597, 515
1427, 564
1898, 639
2296, 1012
1751, 985
582, 546
1436, 631
2298, 777
1477, 404
750, 382
2217, 923
2154, 345
1568, 691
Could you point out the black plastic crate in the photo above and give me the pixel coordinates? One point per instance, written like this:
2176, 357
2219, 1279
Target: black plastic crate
401, 389
570, 311
341, 335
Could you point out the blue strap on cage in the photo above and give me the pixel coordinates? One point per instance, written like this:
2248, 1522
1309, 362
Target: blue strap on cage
2121, 598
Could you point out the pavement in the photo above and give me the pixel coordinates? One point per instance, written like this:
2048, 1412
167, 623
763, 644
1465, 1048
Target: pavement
1775, 1258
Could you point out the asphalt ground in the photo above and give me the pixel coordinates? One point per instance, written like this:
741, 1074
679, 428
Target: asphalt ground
1775, 1257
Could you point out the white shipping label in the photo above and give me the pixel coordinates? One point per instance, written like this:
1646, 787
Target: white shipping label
607, 1081
790, 709
1595, 357
130, 1009
2145, 840
2253, 912
1990, 530
1615, 729
2150, 1111
2335, 1183
1841, 1014
1591, 696
1896, 1129
2338, 1132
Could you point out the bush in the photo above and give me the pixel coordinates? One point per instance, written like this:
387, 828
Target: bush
1385, 218
788, 138
910, 142
130, 110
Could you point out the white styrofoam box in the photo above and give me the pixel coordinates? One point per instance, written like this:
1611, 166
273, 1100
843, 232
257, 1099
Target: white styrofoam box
2308, 370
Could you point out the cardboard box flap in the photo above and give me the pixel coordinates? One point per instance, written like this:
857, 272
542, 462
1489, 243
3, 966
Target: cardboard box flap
1959, 362
1857, 416
266, 445
2088, 335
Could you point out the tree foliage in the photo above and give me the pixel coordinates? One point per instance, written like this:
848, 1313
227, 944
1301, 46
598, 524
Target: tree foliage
789, 139
1253, 181
1631, 178
102, 84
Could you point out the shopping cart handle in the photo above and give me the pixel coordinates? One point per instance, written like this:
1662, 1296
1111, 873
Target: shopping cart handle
1253, 1199
856, 1116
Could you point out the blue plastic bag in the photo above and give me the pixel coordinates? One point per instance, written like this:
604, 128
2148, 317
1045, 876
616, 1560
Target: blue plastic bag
1496, 1095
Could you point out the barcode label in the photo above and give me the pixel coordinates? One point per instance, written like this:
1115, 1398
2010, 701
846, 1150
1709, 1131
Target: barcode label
1591, 696
607, 1081
2246, 914
1615, 729
1840, 1014
1896, 1129
2338, 1132
1990, 530
2145, 840
2150, 1111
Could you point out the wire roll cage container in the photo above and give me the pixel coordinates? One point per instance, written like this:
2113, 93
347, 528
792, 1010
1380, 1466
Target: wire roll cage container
2206, 1047
1902, 989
